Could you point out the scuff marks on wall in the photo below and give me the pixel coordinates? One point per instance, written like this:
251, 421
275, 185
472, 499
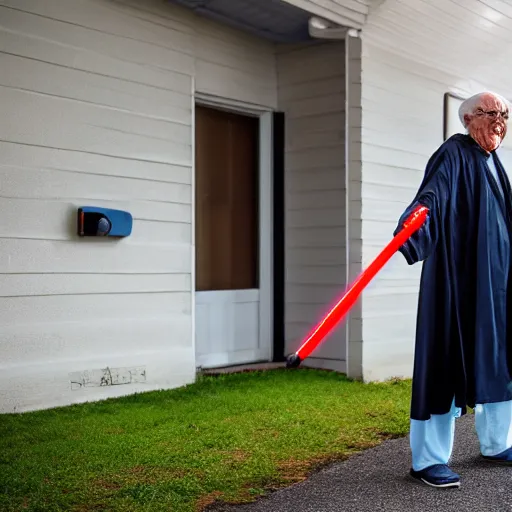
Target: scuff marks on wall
107, 377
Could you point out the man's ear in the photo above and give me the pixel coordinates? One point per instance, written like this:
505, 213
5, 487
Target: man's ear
467, 119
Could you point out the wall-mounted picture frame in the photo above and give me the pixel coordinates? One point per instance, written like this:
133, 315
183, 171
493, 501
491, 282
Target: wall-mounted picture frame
451, 121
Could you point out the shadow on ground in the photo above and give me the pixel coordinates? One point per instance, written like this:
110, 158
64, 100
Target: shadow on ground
377, 481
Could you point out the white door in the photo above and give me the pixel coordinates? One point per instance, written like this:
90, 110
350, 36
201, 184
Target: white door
227, 239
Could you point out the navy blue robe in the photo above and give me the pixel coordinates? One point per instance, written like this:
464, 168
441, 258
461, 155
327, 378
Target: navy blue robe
463, 338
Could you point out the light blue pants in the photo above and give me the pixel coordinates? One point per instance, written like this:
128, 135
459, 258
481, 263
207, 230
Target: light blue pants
432, 440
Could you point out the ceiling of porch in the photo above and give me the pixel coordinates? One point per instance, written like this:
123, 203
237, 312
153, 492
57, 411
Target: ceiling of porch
273, 20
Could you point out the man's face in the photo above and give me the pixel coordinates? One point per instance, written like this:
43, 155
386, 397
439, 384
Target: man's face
488, 124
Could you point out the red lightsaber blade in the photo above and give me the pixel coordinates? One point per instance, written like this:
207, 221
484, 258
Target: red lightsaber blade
411, 225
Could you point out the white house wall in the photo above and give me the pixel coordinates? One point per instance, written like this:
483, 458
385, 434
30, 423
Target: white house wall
413, 52
96, 109
234, 65
311, 84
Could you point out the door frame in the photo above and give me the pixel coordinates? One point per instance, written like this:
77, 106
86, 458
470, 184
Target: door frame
266, 213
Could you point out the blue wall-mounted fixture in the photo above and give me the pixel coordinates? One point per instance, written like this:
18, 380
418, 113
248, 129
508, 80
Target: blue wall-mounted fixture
95, 221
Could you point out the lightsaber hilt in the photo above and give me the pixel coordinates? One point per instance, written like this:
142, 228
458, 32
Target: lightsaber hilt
410, 226
293, 361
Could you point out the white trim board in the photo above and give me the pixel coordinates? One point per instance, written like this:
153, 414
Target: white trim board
235, 106
266, 214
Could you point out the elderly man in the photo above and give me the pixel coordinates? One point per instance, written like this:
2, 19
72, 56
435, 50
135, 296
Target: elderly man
463, 351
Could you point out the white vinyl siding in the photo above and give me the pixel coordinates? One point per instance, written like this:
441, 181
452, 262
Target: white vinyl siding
311, 83
234, 65
413, 53
96, 102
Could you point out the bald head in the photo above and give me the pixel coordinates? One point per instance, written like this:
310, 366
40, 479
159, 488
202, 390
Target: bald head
481, 101
485, 116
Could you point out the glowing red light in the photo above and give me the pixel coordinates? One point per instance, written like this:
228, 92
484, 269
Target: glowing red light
411, 225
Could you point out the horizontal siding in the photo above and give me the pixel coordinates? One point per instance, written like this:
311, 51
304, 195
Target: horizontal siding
314, 108
52, 391
413, 53
231, 64
52, 284
96, 108
351, 13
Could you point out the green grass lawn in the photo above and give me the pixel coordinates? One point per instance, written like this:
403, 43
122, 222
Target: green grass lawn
229, 438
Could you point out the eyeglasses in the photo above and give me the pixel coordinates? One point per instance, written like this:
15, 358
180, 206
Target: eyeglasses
491, 114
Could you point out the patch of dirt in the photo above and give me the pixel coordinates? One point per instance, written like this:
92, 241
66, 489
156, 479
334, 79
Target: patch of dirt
214, 502
302, 469
293, 471
206, 501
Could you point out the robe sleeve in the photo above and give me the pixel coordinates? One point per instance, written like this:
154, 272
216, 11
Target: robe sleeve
434, 193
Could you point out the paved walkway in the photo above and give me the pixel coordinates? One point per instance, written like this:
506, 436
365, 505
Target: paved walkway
377, 481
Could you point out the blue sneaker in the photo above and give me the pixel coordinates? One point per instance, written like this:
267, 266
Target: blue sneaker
439, 475
502, 458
